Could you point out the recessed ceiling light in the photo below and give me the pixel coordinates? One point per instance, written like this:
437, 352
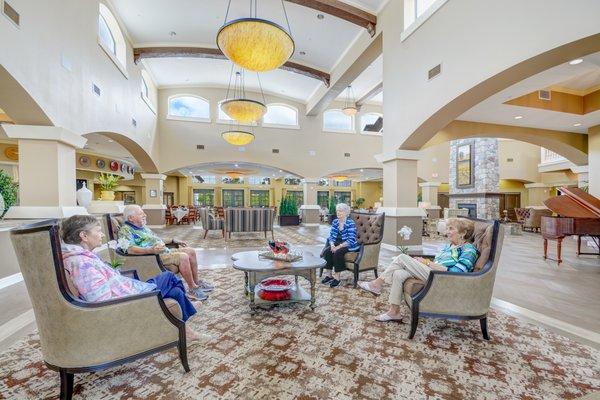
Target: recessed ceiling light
362, 170
280, 170
110, 140
320, 16
576, 61
236, 165
577, 124
518, 117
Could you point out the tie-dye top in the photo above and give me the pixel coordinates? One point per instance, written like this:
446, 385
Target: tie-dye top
132, 235
458, 258
95, 280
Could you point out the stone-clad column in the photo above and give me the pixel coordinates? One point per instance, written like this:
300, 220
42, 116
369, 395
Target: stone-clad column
400, 197
46, 171
154, 207
310, 209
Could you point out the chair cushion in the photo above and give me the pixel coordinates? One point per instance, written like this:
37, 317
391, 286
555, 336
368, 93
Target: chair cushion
173, 307
350, 256
71, 286
413, 285
116, 222
483, 242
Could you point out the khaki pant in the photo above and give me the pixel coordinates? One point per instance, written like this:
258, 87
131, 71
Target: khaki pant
400, 269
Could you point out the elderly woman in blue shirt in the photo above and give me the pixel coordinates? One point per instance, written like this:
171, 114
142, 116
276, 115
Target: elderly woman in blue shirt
342, 239
459, 256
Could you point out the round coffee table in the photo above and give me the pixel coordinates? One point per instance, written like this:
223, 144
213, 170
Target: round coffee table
258, 268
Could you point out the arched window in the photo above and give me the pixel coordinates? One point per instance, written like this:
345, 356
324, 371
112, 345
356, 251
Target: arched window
337, 121
281, 115
371, 123
189, 108
111, 38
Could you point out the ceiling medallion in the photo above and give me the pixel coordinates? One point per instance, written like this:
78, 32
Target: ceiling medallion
237, 137
350, 108
255, 44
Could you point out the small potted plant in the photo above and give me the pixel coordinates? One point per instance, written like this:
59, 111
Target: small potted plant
288, 212
108, 184
359, 202
332, 214
8, 192
404, 233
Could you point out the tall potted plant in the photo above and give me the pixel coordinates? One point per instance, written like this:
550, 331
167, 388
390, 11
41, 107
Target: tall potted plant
331, 206
288, 212
8, 192
108, 184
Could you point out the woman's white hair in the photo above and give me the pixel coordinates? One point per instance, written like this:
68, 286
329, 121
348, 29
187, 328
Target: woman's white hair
343, 207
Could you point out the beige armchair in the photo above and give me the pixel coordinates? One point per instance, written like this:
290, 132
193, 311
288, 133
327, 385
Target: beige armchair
147, 266
77, 336
369, 234
455, 295
210, 222
533, 220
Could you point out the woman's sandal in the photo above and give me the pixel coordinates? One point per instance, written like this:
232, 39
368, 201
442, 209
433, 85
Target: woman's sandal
386, 318
366, 286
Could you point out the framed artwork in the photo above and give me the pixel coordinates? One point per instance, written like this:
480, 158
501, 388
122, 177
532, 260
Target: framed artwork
464, 166
129, 197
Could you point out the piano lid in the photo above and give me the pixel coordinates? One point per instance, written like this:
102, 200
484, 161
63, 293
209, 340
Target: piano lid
574, 203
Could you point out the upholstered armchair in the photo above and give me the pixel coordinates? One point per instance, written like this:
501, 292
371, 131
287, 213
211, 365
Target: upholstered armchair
146, 265
456, 295
369, 232
533, 221
210, 222
77, 336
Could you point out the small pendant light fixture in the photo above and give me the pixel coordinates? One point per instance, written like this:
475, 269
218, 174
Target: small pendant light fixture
349, 104
237, 106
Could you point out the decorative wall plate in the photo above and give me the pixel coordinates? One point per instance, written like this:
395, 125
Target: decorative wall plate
114, 166
123, 168
12, 153
100, 163
84, 161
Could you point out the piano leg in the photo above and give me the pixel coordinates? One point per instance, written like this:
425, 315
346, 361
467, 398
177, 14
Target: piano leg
559, 248
545, 248
578, 244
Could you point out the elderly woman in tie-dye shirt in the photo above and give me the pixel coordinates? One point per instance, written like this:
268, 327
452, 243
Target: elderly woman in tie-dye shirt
96, 281
458, 256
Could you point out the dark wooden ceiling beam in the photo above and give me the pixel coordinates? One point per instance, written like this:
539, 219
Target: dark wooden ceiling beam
343, 11
206, 52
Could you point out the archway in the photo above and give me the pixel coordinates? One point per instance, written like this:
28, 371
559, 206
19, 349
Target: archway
144, 159
18, 104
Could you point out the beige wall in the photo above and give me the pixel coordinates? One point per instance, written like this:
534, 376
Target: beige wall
469, 55
178, 140
370, 191
52, 32
525, 159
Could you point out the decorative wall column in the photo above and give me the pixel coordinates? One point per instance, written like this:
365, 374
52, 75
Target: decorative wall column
154, 207
46, 171
537, 193
429, 198
310, 210
400, 197
594, 160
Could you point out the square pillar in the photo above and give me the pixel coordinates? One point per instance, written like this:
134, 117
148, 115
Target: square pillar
400, 198
154, 207
310, 210
46, 172
429, 198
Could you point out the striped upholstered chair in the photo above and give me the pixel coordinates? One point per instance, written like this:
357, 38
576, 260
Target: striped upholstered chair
210, 222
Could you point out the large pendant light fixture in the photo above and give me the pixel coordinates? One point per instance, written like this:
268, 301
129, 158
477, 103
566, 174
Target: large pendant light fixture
255, 44
349, 104
238, 106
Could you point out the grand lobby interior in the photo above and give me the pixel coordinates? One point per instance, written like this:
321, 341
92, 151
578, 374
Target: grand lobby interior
241, 129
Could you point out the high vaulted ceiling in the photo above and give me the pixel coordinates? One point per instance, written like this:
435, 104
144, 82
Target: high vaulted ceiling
320, 42
580, 78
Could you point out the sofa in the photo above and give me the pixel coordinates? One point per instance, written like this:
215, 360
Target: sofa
249, 220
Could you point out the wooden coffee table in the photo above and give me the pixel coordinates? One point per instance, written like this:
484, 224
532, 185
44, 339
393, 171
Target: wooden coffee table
257, 268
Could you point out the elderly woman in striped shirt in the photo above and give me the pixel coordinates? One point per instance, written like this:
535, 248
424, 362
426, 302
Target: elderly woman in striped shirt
342, 239
458, 256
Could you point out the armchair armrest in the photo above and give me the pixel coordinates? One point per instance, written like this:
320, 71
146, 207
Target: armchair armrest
131, 273
146, 265
455, 293
108, 331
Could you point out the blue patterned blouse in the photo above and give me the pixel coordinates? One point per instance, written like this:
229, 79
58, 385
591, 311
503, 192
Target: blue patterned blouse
348, 233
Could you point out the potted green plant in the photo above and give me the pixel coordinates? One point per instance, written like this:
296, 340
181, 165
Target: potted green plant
288, 212
108, 184
332, 214
8, 192
359, 202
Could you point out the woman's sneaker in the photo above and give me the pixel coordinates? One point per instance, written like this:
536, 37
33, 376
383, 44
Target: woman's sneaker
326, 280
205, 285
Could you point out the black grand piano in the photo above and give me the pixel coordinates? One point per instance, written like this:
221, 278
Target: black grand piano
578, 214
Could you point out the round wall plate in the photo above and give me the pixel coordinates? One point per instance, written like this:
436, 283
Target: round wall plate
12, 153
114, 166
100, 163
123, 168
84, 161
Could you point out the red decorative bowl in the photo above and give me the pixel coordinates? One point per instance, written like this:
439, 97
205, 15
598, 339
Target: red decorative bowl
275, 289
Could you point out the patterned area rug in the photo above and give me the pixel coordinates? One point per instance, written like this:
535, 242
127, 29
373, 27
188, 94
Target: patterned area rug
194, 236
336, 352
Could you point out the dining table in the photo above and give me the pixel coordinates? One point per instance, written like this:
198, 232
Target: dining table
179, 213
